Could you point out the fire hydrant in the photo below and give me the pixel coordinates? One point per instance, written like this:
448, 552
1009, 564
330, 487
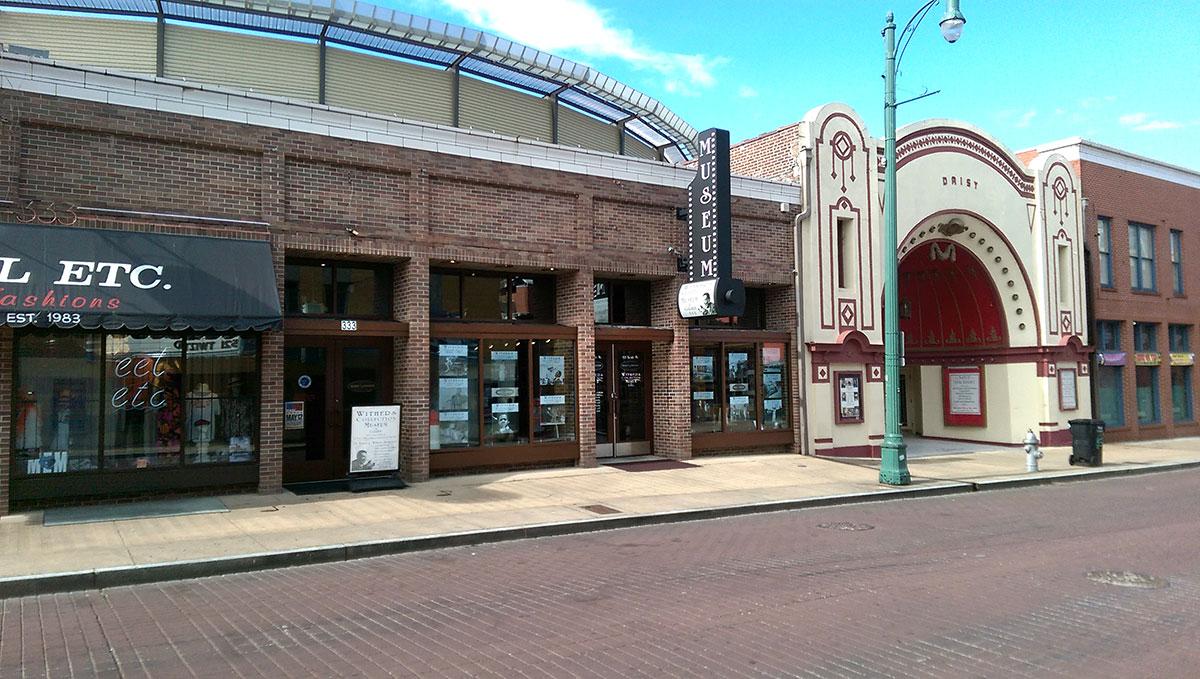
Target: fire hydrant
1032, 453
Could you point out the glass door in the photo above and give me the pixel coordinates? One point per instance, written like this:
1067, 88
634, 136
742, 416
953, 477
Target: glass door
323, 379
623, 389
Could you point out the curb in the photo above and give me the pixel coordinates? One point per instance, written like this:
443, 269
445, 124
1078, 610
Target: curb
119, 576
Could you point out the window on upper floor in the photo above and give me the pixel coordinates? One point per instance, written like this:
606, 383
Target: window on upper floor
1104, 238
1145, 337
1177, 260
1108, 335
1141, 257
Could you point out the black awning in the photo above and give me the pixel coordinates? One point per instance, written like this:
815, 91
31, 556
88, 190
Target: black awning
56, 277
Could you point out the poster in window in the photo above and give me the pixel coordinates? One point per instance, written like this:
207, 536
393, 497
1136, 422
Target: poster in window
702, 368
739, 364
740, 409
553, 415
1067, 389
849, 397
47, 462
452, 393
551, 369
772, 385
771, 408
293, 415
962, 396
452, 360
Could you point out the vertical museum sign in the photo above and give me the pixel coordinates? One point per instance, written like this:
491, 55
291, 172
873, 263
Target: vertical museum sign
711, 289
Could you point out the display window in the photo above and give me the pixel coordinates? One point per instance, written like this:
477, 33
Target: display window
739, 387
490, 392
96, 402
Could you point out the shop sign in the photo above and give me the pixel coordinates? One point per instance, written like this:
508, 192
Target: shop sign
94, 278
1147, 358
374, 439
1111, 358
1186, 358
711, 289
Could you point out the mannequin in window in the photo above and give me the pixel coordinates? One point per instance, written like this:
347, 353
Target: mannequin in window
62, 419
29, 428
203, 407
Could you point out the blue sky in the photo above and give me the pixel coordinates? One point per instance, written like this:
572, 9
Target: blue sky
1125, 74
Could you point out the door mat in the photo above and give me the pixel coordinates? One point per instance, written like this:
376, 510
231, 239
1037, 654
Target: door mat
62, 516
651, 465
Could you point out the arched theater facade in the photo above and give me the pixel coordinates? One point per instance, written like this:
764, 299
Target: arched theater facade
992, 305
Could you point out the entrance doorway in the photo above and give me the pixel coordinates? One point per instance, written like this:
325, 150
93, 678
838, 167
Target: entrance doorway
623, 392
324, 377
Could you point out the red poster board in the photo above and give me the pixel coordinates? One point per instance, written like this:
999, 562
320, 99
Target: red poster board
964, 398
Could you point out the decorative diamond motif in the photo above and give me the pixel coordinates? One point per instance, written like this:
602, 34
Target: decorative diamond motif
846, 313
842, 147
1060, 188
1064, 322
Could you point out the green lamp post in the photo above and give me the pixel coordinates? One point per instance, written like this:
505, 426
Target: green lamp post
893, 468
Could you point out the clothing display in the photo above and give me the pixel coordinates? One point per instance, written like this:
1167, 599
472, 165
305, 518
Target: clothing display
203, 408
29, 428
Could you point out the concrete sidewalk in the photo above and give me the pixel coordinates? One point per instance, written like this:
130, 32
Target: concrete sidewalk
263, 531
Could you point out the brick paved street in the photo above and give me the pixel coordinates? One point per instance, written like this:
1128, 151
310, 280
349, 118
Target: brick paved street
987, 584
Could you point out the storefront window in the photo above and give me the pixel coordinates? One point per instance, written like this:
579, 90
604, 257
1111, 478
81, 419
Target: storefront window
56, 410
1111, 396
1147, 394
486, 296
454, 393
555, 407
160, 401
143, 422
621, 302
740, 392
753, 318
338, 289
219, 406
706, 407
505, 380
739, 387
774, 386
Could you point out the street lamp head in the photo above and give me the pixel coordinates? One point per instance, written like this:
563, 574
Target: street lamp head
952, 22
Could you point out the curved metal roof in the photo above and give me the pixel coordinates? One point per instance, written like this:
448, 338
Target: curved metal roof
364, 26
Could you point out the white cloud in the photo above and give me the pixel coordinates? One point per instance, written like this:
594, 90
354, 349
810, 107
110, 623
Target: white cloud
1025, 119
575, 25
1158, 125
1142, 122
747, 92
1130, 119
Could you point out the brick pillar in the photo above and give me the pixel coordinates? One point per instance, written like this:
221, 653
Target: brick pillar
575, 308
270, 428
410, 302
672, 376
6, 387
782, 317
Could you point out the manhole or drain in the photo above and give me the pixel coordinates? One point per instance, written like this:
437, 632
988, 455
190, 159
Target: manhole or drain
846, 525
1127, 579
601, 509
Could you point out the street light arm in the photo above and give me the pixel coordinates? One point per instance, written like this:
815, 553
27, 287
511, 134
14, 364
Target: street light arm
910, 29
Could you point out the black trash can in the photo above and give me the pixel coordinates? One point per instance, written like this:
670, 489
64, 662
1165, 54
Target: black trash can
1087, 442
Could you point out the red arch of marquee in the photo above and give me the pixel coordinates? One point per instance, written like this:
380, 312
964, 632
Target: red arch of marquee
948, 301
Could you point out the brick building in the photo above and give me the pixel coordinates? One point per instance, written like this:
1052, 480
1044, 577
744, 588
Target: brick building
514, 293
1143, 237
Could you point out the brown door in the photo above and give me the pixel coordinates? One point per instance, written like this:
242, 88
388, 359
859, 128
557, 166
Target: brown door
623, 393
323, 379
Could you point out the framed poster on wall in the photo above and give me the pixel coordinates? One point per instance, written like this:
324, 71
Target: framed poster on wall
847, 397
1068, 395
964, 402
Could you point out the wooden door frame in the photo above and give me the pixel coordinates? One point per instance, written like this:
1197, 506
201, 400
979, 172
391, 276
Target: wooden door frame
337, 465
